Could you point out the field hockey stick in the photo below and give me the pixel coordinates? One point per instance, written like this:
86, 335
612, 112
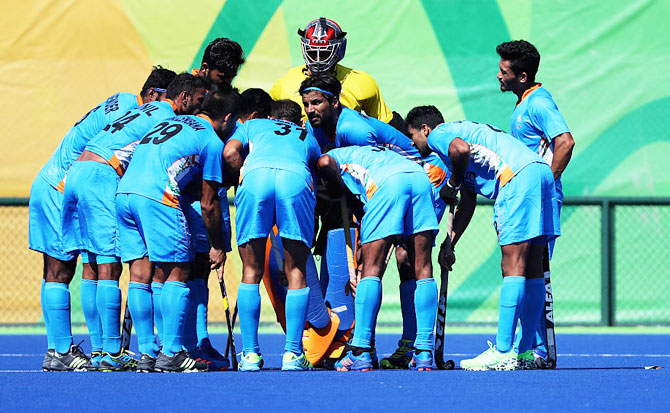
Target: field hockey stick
226, 308
127, 328
442, 307
351, 266
225, 354
550, 334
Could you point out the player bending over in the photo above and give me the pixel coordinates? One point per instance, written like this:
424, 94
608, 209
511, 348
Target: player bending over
89, 209
46, 232
152, 225
274, 190
398, 203
486, 161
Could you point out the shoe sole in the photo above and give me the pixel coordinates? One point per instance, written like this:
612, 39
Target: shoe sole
346, 369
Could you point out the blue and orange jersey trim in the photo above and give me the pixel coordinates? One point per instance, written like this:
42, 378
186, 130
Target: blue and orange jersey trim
528, 92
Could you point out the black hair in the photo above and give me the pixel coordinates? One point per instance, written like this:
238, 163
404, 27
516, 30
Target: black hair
223, 54
429, 115
159, 78
184, 82
220, 103
256, 100
321, 81
523, 57
288, 110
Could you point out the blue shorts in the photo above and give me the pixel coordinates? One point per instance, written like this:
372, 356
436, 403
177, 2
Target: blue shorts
402, 205
268, 197
147, 227
526, 209
196, 225
45, 228
89, 209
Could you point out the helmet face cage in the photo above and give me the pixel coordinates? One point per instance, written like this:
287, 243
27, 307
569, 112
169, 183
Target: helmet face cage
323, 45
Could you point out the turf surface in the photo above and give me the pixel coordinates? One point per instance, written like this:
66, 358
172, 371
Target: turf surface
596, 373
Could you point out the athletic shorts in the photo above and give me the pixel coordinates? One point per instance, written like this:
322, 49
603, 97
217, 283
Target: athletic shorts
527, 207
147, 227
402, 205
89, 209
196, 224
45, 228
268, 197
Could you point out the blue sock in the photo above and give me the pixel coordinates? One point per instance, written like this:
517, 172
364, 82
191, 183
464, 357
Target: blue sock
57, 297
109, 308
156, 291
45, 314
249, 308
367, 302
296, 311
174, 306
202, 302
511, 303
190, 333
407, 289
317, 312
425, 302
531, 313
141, 311
88, 295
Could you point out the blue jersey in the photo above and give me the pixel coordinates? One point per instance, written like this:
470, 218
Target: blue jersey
174, 153
117, 141
365, 168
495, 156
355, 129
78, 136
276, 143
536, 121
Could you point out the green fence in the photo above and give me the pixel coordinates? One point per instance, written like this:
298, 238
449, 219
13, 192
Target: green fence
610, 267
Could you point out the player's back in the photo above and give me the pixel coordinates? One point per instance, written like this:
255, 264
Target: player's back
117, 141
277, 143
86, 128
171, 155
495, 156
369, 166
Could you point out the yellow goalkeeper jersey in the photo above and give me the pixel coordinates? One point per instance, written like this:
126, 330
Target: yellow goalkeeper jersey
359, 91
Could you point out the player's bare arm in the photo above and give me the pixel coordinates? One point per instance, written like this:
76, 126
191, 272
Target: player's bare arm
211, 214
563, 145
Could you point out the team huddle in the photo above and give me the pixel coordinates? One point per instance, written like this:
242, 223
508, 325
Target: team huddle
143, 180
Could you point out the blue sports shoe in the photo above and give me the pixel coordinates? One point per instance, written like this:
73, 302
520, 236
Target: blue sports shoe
295, 362
118, 362
421, 361
96, 358
250, 362
210, 355
350, 362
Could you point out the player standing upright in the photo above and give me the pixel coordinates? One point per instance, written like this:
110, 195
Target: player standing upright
537, 123
220, 63
273, 190
152, 225
323, 45
489, 162
45, 228
398, 204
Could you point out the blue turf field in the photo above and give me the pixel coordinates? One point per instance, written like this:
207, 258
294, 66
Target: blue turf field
604, 372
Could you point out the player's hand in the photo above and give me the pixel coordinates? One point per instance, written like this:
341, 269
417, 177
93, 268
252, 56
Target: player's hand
350, 288
446, 257
217, 258
449, 193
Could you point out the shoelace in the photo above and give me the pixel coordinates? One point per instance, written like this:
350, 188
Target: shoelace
78, 351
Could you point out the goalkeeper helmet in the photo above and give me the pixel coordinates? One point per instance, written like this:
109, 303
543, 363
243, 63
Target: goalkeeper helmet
323, 45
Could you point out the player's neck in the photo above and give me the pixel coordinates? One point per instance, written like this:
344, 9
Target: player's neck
522, 92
